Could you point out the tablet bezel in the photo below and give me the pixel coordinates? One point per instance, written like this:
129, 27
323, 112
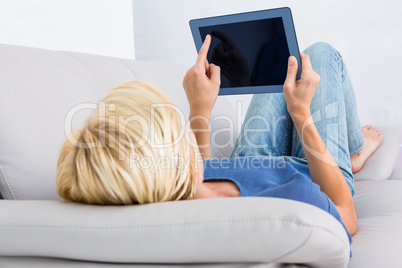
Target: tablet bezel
290, 33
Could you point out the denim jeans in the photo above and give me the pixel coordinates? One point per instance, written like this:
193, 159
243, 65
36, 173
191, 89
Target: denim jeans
268, 130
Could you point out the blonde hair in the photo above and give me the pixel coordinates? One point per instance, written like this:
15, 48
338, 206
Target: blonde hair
100, 163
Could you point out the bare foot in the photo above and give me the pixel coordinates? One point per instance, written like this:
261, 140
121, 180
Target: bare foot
373, 138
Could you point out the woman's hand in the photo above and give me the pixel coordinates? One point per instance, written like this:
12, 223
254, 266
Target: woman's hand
298, 94
323, 168
202, 83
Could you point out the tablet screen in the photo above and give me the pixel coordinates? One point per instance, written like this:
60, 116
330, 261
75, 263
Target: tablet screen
250, 53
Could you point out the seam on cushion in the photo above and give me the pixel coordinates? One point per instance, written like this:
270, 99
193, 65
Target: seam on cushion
6, 184
380, 215
128, 68
175, 225
69, 54
295, 249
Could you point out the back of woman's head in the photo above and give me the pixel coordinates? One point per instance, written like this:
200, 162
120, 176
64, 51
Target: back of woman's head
133, 149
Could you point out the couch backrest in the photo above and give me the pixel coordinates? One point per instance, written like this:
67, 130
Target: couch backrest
39, 88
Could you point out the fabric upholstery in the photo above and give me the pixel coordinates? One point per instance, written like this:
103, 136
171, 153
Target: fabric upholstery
377, 242
252, 229
29, 262
40, 87
396, 174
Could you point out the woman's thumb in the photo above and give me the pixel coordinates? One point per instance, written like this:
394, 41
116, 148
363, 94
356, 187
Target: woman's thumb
292, 71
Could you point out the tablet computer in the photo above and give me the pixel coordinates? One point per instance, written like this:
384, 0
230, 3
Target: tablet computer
251, 48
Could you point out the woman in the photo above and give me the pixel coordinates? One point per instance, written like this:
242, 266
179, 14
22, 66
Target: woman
105, 162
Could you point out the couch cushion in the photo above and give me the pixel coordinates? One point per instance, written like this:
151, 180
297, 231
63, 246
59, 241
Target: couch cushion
40, 87
381, 163
218, 230
396, 174
377, 242
31, 262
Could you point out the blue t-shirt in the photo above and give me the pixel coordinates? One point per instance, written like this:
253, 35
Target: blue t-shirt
270, 177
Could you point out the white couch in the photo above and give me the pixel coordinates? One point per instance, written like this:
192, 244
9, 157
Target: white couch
40, 88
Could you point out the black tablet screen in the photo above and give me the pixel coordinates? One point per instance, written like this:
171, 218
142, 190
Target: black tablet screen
252, 53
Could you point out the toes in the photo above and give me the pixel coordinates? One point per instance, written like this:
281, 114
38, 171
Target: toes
377, 131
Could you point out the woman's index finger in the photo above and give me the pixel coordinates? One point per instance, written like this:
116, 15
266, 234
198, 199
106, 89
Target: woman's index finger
202, 54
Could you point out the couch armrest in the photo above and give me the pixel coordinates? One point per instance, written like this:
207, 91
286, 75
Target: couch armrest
380, 165
219, 230
396, 174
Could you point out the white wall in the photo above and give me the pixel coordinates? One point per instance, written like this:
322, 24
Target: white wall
102, 27
367, 33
